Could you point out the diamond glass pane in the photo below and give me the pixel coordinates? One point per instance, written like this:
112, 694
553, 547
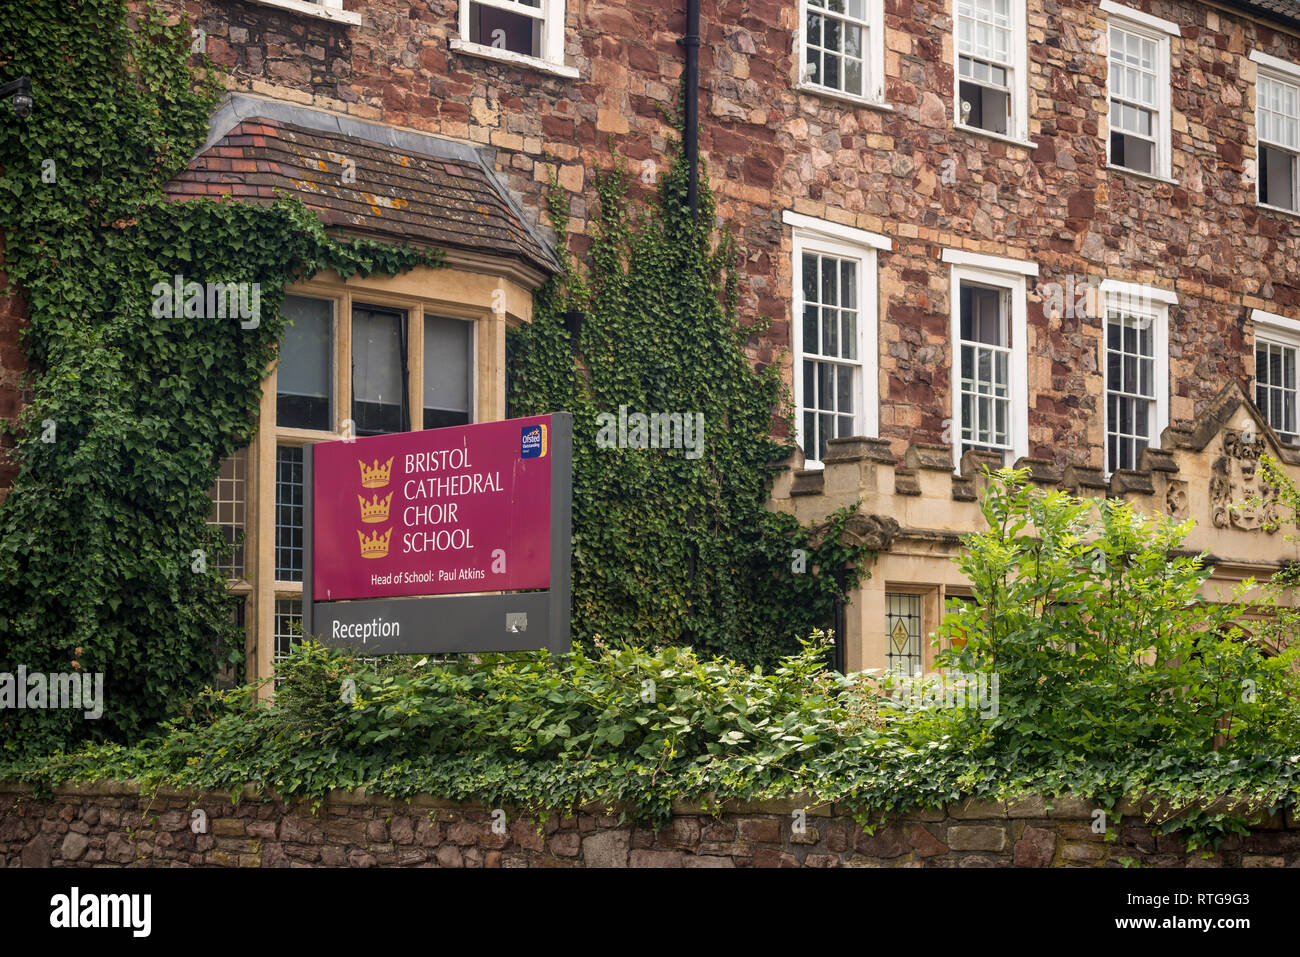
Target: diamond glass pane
903, 631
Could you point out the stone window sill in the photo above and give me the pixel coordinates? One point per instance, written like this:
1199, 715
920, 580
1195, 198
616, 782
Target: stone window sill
319, 11
1154, 177
509, 56
1294, 214
1000, 137
822, 91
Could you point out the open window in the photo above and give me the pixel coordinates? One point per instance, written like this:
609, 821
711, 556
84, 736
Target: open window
991, 81
990, 366
529, 32
1277, 133
1138, 91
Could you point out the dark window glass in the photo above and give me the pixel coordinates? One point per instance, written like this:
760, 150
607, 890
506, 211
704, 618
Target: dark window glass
288, 513
304, 374
984, 108
1277, 178
505, 29
379, 368
448, 361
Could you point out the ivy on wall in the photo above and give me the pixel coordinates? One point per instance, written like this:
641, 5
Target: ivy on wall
673, 545
106, 562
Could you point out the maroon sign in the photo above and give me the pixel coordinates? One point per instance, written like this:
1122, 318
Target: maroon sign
445, 511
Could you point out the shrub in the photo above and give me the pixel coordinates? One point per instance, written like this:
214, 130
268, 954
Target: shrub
1102, 638
1111, 682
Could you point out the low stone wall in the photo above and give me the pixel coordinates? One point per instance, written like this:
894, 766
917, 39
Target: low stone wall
114, 825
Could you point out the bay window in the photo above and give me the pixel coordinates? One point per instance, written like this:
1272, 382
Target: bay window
363, 357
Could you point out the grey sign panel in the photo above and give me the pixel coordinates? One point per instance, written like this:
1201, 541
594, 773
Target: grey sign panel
450, 624
441, 624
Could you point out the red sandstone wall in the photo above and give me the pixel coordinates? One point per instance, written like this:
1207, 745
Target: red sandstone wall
771, 148
111, 824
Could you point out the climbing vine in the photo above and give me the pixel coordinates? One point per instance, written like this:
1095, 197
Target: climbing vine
673, 545
107, 564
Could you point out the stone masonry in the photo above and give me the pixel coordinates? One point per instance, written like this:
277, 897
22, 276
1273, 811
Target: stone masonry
114, 825
904, 171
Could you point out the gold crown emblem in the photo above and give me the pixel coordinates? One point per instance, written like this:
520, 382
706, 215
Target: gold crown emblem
375, 477
376, 546
375, 511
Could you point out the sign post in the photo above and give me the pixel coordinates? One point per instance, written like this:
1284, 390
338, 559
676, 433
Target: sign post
441, 541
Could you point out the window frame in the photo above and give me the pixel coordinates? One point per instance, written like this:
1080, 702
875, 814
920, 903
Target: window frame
822, 237
873, 48
236, 503
1284, 332
403, 318
920, 595
551, 57
1280, 71
1153, 302
1159, 31
1009, 275
470, 353
1017, 82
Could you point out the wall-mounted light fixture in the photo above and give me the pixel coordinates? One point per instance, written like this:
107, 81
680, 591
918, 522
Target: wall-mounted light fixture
573, 320
21, 91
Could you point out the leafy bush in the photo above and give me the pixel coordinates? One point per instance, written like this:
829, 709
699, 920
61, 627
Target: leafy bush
1109, 685
1102, 639
624, 725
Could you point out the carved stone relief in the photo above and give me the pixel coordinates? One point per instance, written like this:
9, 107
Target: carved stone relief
1176, 499
1239, 496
